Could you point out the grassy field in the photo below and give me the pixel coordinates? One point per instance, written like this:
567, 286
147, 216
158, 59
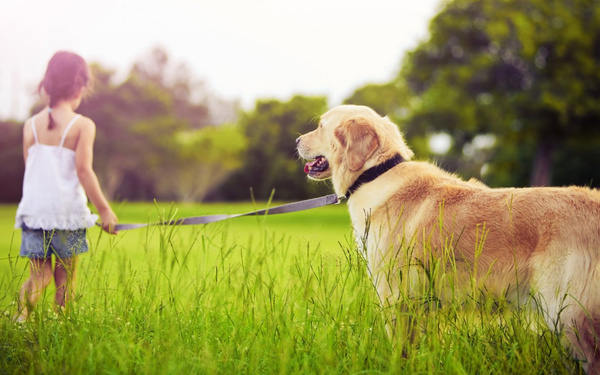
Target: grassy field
275, 295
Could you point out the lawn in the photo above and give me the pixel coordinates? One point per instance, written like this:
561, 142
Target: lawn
279, 294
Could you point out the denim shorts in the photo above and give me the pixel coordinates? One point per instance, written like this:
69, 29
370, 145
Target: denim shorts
41, 244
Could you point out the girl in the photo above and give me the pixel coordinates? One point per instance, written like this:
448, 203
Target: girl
53, 212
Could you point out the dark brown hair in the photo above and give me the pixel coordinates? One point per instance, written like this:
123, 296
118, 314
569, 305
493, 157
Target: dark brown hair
67, 73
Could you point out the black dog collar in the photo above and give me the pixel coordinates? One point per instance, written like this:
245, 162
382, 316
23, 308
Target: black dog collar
374, 172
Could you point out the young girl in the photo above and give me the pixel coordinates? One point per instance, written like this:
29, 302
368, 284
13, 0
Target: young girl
53, 213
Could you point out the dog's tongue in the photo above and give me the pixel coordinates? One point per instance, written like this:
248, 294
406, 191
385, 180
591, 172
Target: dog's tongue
309, 165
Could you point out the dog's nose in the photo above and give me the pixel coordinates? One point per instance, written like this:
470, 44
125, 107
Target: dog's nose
298, 141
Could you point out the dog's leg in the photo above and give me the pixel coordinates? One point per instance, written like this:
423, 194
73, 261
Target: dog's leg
581, 327
569, 306
586, 329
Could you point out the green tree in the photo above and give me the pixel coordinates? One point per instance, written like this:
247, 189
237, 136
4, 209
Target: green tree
393, 100
134, 120
142, 125
271, 161
526, 71
204, 159
191, 97
387, 99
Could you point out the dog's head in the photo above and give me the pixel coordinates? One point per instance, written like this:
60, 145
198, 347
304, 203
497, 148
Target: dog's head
349, 140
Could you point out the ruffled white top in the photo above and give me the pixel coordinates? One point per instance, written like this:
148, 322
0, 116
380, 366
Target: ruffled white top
53, 197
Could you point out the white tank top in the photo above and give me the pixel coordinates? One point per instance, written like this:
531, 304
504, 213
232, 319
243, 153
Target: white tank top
53, 197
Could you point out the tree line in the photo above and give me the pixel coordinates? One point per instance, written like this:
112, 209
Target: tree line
513, 84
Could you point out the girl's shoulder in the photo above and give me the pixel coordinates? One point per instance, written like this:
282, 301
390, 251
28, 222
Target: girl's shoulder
38, 118
84, 123
28, 124
84, 127
84, 119
30, 120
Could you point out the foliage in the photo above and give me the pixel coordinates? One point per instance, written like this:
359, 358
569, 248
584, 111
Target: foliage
134, 120
270, 161
393, 100
388, 99
205, 158
527, 71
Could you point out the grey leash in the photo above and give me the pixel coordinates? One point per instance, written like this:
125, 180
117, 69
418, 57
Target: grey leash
283, 209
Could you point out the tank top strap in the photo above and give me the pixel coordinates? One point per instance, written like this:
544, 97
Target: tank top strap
33, 130
64, 136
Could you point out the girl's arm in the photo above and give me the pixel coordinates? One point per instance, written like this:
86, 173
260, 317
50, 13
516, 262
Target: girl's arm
84, 155
28, 139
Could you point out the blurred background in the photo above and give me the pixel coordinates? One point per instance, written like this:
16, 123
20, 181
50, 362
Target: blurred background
199, 101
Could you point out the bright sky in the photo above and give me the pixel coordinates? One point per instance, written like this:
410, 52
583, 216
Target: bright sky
243, 49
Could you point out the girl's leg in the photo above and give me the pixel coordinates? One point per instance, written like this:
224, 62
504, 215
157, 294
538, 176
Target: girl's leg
64, 277
40, 276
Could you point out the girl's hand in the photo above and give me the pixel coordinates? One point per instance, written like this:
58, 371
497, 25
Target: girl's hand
109, 221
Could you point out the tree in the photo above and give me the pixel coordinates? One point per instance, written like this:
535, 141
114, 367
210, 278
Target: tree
527, 71
133, 121
142, 126
271, 161
393, 100
191, 97
204, 159
387, 99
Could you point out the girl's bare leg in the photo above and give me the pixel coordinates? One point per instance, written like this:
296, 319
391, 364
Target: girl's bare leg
39, 278
64, 277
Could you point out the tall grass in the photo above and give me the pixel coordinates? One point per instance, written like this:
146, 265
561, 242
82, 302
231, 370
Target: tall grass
276, 296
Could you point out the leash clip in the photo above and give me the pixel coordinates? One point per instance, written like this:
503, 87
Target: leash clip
340, 199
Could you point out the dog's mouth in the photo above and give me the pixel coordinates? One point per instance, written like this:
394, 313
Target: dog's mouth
316, 167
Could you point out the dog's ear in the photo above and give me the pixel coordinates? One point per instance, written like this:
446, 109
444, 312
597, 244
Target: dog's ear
359, 139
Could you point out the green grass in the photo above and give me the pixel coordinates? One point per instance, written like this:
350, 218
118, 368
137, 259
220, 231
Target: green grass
275, 295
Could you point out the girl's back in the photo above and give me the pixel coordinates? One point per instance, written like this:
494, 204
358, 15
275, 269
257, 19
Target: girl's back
52, 137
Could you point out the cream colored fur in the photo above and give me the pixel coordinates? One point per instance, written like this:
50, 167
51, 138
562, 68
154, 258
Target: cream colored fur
545, 240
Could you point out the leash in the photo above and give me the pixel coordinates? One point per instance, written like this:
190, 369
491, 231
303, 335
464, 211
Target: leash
366, 177
283, 209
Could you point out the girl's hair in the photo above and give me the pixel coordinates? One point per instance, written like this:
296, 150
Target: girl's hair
66, 75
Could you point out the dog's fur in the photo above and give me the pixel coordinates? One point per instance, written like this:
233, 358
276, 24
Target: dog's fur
540, 243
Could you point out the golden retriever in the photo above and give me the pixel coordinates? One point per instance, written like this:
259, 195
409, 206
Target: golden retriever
530, 244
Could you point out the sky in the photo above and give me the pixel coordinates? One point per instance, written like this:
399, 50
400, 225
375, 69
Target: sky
242, 49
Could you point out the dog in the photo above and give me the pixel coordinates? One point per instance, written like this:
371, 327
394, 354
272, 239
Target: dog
540, 244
